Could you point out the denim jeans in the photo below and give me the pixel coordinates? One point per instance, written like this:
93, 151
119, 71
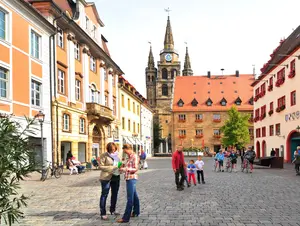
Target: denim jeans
133, 202
106, 185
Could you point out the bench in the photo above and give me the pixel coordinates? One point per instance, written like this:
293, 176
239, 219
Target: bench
272, 162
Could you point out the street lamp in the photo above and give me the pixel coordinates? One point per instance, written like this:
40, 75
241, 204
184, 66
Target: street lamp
41, 117
298, 129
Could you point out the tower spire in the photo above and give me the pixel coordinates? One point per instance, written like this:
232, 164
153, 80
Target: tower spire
187, 70
150, 58
169, 42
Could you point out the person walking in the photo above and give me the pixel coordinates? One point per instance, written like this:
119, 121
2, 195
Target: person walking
130, 169
199, 165
143, 159
178, 167
109, 179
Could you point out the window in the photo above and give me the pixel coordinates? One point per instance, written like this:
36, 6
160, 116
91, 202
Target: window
128, 124
281, 101
61, 81
114, 107
258, 132
77, 51
94, 94
35, 45
123, 101
87, 21
263, 110
106, 101
138, 127
81, 125
93, 64
133, 107
94, 31
128, 102
182, 132
257, 113
105, 74
223, 103
164, 90
216, 116
271, 130
77, 89
173, 73
138, 110
36, 93
164, 73
123, 123
113, 80
3, 24
271, 81
293, 62
277, 128
181, 117
293, 98
263, 131
133, 127
3, 82
66, 122
217, 132
263, 88
180, 103
281, 74
109, 131
271, 106
199, 117
60, 37
256, 91
199, 132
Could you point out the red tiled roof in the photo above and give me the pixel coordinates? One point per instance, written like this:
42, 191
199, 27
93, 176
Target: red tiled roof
202, 88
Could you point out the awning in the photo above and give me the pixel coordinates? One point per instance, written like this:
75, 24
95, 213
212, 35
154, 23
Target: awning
127, 140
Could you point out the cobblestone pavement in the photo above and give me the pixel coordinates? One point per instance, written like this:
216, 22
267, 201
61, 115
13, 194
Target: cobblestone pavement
265, 197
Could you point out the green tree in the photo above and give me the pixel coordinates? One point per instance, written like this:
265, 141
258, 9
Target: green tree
235, 130
157, 135
16, 163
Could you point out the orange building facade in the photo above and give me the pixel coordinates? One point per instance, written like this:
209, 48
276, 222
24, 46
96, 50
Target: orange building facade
85, 81
24, 67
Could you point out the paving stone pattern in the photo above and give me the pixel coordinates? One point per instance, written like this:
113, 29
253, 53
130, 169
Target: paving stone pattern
265, 197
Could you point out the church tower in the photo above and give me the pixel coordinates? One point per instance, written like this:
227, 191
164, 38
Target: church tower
151, 73
187, 69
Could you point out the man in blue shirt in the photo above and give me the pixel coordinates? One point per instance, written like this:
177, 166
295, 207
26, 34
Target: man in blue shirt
220, 159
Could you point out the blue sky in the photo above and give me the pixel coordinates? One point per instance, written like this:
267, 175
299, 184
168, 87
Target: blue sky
229, 34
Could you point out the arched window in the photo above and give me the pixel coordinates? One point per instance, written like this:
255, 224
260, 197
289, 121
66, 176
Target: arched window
152, 79
94, 94
148, 78
164, 90
164, 73
173, 73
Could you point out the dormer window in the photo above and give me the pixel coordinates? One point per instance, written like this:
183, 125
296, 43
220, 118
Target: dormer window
238, 101
223, 102
180, 103
209, 102
251, 101
194, 103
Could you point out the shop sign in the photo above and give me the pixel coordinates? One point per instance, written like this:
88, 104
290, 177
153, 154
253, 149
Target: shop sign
292, 116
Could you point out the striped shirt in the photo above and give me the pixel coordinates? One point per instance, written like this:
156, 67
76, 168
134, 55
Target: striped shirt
131, 167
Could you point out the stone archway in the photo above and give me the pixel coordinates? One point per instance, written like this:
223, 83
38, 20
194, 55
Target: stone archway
264, 148
257, 149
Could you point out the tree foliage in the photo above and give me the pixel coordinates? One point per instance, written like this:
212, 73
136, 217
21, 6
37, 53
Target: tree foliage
157, 135
16, 163
236, 129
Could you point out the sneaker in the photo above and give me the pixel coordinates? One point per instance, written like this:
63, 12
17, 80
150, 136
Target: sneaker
189, 185
195, 184
180, 189
203, 182
222, 170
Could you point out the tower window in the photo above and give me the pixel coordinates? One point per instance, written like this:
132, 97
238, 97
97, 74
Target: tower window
148, 78
164, 73
173, 73
164, 90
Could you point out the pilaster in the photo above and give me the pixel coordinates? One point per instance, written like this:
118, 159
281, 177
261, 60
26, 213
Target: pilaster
71, 68
110, 88
102, 82
86, 71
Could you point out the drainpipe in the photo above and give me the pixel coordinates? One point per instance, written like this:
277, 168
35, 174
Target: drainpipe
52, 49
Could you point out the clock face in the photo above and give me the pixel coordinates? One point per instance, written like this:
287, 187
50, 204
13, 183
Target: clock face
168, 57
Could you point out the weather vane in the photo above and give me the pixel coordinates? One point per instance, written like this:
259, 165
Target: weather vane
168, 11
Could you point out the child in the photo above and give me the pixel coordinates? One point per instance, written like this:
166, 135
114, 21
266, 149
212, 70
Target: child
199, 165
191, 172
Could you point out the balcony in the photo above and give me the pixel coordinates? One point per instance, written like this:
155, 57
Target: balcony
292, 74
279, 82
281, 108
271, 112
100, 112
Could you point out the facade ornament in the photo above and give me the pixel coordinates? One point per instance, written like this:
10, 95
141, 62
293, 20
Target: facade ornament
71, 37
102, 63
86, 50
110, 71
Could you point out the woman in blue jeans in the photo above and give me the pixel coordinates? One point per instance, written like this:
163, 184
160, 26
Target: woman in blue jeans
130, 170
109, 179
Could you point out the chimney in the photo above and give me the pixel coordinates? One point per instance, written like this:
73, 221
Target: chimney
208, 74
237, 73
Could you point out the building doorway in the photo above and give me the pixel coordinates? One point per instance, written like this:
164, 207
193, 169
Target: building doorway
82, 152
264, 148
217, 148
257, 149
294, 143
97, 139
65, 147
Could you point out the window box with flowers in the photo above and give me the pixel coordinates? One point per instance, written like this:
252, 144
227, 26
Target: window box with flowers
182, 136
292, 74
256, 98
262, 116
216, 120
256, 119
251, 120
281, 108
181, 120
217, 136
279, 82
270, 112
262, 93
199, 136
270, 88
198, 120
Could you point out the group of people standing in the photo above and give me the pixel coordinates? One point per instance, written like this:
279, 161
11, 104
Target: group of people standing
112, 167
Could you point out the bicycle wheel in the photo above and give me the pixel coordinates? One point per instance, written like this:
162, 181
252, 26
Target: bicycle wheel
230, 168
57, 172
247, 167
45, 175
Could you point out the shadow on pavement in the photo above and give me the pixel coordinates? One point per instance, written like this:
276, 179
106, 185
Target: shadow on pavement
66, 215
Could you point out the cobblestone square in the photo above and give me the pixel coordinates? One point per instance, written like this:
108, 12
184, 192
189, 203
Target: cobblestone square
265, 197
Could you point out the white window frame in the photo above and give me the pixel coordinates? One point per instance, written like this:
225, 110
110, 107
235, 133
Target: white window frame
77, 51
66, 122
217, 132
87, 23
60, 38
34, 92
7, 80
35, 52
94, 94
81, 125
92, 63
199, 116
199, 131
6, 24
109, 131
94, 31
181, 117
114, 106
217, 116
182, 132
77, 89
61, 81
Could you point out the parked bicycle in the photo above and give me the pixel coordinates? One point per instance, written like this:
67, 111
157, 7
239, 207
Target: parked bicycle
245, 165
229, 165
54, 171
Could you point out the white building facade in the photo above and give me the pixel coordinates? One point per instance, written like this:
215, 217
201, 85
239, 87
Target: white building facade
277, 101
147, 129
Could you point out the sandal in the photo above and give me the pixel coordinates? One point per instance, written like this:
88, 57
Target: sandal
104, 217
121, 221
